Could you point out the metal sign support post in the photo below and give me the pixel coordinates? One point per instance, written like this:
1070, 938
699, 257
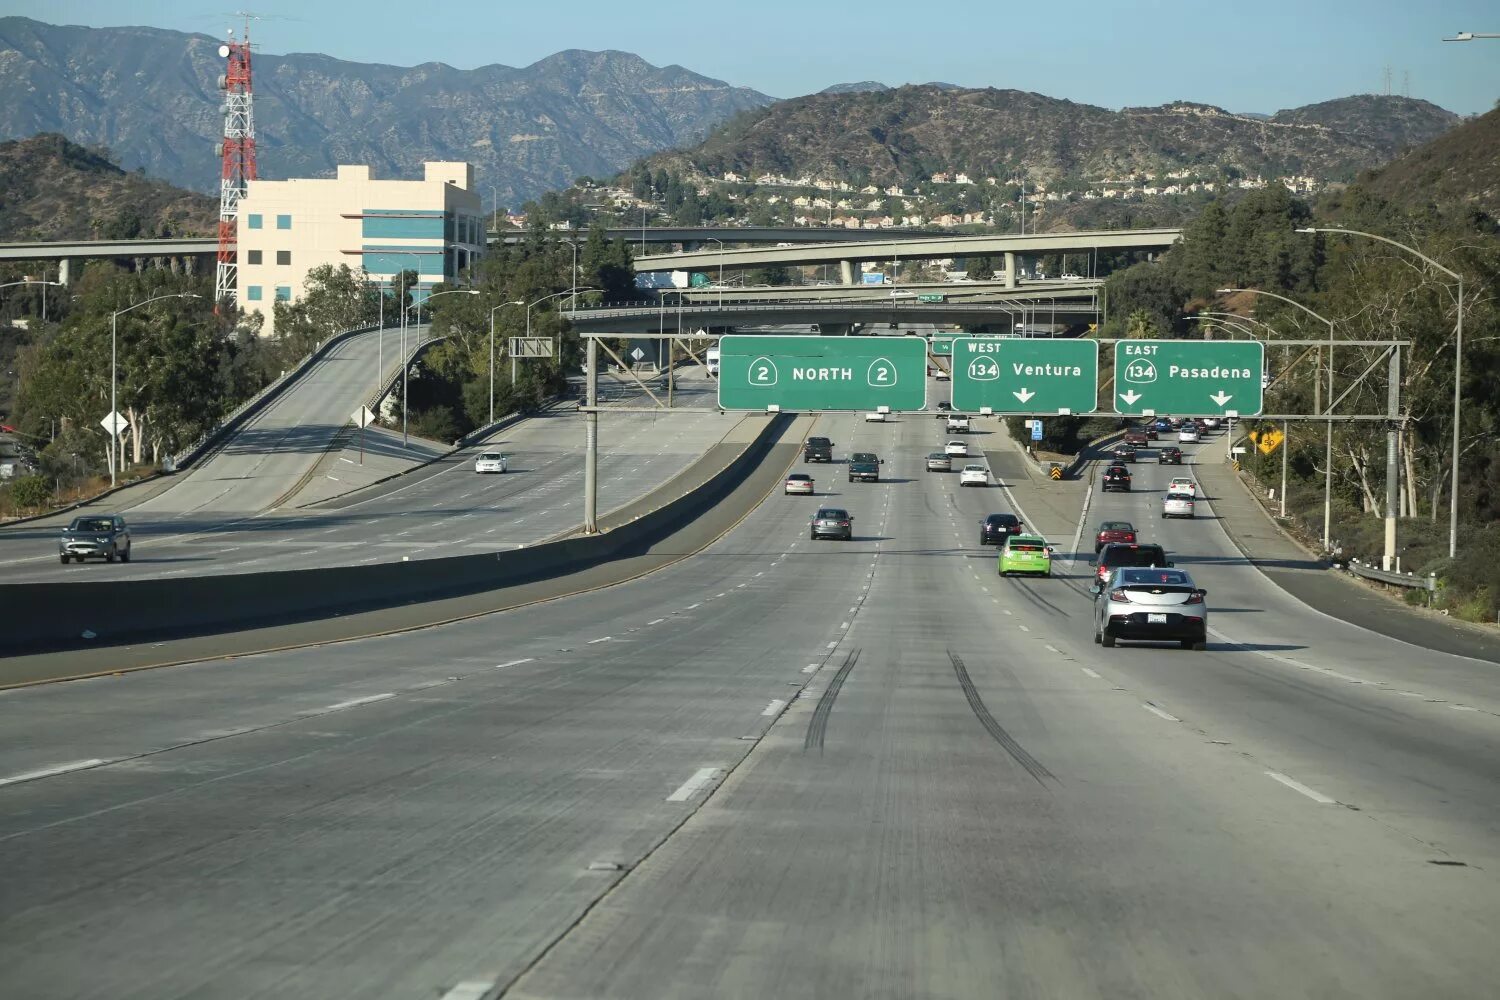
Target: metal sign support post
591, 450
1392, 465
1286, 447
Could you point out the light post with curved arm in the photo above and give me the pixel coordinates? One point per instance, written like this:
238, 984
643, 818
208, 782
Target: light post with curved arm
114, 431
1328, 442
44, 283
555, 295
406, 361
514, 302
1458, 365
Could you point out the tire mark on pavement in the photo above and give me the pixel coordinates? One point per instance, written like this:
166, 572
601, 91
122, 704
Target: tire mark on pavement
1033, 767
817, 728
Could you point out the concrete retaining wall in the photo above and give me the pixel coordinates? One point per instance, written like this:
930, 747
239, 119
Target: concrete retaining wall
76, 615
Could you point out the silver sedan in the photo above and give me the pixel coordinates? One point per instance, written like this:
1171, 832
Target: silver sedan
1177, 505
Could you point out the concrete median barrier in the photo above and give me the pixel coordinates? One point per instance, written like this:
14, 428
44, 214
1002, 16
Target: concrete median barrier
98, 617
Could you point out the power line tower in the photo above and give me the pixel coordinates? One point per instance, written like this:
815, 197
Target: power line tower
237, 151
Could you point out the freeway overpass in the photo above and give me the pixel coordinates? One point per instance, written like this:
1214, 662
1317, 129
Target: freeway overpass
63, 252
828, 315
981, 291
880, 249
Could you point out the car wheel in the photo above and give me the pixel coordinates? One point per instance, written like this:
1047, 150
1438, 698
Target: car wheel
1200, 646
125, 556
64, 559
1106, 640
109, 556
1096, 637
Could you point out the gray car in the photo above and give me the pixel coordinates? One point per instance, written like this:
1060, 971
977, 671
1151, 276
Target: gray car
831, 522
97, 536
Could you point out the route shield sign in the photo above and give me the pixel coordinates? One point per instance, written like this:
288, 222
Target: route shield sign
1021, 375
822, 373
1189, 377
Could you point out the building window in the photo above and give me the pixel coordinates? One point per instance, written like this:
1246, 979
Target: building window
283, 222
252, 293
283, 257
252, 256
252, 221
283, 293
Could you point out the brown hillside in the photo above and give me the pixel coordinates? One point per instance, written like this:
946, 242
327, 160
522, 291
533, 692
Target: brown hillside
52, 189
1461, 167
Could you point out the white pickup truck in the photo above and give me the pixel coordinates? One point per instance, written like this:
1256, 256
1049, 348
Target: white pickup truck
958, 423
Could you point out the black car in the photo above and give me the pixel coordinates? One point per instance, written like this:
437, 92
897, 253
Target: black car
1117, 554
817, 449
1123, 452
996, 528
98, 536
1116, 477
831, 522
1170, 455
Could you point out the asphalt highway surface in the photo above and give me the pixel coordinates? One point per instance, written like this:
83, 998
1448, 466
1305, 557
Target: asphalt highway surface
210, 523
779, 768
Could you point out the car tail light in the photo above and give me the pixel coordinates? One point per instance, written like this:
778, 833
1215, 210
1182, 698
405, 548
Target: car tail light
1194, 598
1119, 596
843, 524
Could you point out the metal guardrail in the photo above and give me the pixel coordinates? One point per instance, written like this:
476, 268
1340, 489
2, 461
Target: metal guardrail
1369, 572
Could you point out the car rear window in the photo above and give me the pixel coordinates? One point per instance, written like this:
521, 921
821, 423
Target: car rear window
93, 524
1002, 519
1116, 526
862, 456
818, 442
1027, 547
800, 476
1141, 555
833, 513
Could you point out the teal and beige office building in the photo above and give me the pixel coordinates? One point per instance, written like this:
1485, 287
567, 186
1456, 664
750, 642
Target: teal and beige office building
434, 226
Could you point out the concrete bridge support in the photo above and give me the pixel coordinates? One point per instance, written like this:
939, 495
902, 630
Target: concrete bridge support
846, 271
1010, 270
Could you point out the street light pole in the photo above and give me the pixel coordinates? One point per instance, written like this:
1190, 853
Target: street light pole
516, 302
1469, 36
1328, 444
1458, 362
114, 433
567, 291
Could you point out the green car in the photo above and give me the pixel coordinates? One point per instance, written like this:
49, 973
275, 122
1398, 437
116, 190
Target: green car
1025, 554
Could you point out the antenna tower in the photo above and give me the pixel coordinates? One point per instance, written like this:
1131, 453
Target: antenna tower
237, 150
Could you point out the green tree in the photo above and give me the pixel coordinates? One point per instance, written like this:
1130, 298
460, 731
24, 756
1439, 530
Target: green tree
31, 492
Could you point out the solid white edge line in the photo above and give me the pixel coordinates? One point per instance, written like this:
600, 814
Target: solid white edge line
368, 699
700, 777
47, 772
1159, 712
1302, 789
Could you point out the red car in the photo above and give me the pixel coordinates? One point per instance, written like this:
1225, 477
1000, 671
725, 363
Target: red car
1113, 531
1135, 437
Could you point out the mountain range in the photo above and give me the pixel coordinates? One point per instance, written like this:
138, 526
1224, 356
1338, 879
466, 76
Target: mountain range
151, 96
906, 134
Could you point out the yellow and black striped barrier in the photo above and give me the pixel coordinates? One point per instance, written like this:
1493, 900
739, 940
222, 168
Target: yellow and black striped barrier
1056, 471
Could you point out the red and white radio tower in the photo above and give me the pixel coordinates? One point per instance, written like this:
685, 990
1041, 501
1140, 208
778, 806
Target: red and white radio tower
238, 153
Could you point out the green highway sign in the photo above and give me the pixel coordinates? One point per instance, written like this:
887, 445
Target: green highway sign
1189, 377
1021, 375
941, 345
822, 373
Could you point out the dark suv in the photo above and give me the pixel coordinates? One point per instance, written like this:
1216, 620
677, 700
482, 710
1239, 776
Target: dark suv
100, 536
864, 467
1116, 477
996, 528
1169, 455
817, 449
1117, 554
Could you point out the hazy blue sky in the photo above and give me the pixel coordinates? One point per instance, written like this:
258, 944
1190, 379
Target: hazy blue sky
1253, 55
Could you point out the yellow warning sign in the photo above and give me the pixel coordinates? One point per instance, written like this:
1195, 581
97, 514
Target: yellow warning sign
1057, 472
1268, 441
